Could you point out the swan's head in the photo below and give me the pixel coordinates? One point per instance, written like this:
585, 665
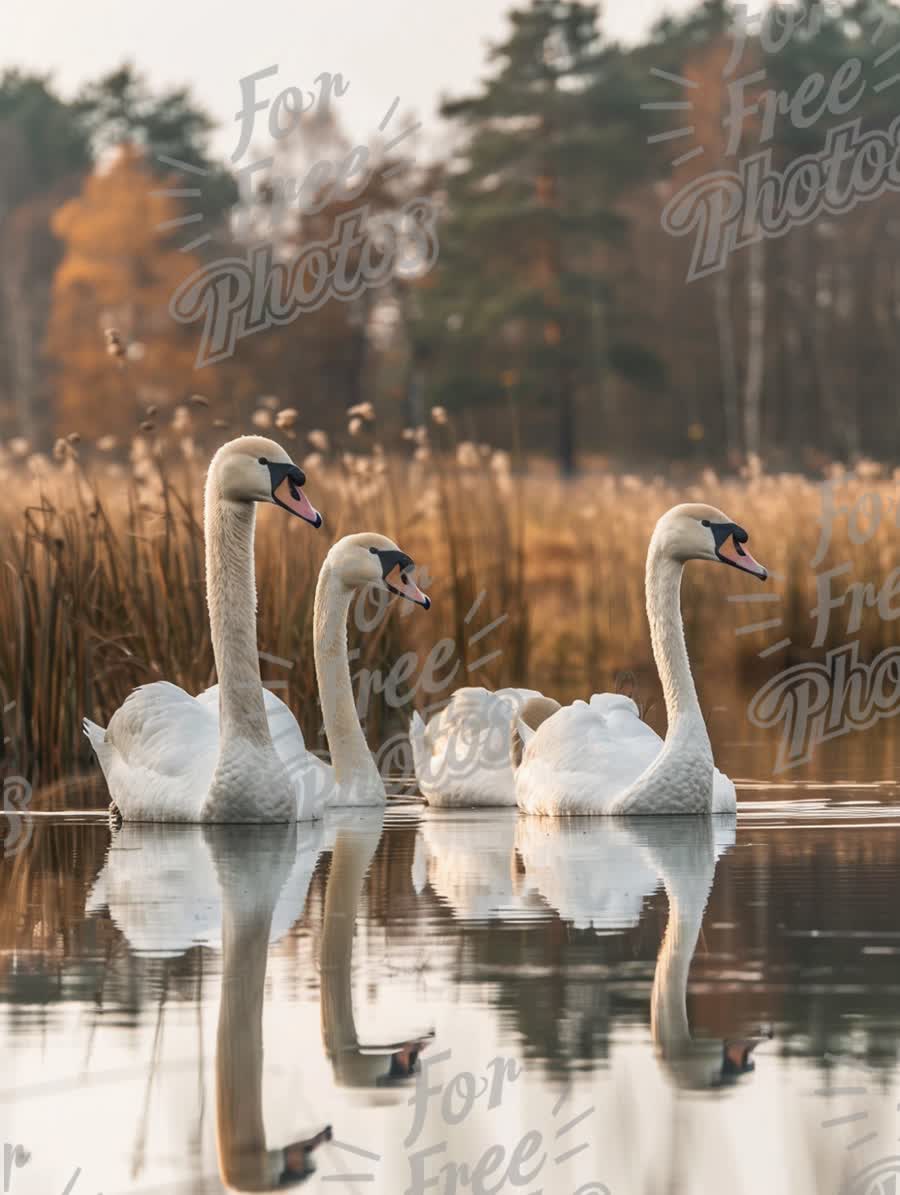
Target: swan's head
255, 469
694, 531
370, 559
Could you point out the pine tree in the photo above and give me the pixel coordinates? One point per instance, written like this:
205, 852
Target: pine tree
121, 109
522, 295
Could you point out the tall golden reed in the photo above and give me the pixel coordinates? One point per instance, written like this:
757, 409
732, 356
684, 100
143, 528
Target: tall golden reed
102, 587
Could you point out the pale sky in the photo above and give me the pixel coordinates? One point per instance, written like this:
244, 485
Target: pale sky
414, 49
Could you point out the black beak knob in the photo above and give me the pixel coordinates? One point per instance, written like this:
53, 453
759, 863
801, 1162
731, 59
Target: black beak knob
281, 470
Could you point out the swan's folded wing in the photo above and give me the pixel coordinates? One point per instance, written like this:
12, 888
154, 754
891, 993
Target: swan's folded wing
161, 728
608, 703
471, 709
314, 782
283, 727
162, 754
519, 697
462, 757
464, 711
614, 747
623, 717
580, 759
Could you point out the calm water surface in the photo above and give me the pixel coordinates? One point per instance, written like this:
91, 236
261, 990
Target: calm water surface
583, 1006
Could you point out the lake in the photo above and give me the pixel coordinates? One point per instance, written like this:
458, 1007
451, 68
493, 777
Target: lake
454, 1002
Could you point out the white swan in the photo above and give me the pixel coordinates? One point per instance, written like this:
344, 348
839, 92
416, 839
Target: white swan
462, 756
598, 757
162, 754
354, 563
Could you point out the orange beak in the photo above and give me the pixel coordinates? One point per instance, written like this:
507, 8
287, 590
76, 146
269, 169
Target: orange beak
289, 495
737, 554
405, 586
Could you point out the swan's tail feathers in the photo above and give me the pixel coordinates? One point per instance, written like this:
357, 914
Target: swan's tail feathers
418, 741
521, 735
96, 735
610, 703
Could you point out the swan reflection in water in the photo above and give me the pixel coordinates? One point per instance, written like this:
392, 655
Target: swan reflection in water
468, 859
355, 1064
685, 859
169, 888
237, 888
598, 873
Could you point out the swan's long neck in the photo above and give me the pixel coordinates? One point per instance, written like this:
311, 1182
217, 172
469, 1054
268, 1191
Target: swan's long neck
680, 779
350, 755
663, 589
231, 595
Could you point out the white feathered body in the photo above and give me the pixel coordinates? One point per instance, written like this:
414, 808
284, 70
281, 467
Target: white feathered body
462, 757
160, 757
587, 758
598, 757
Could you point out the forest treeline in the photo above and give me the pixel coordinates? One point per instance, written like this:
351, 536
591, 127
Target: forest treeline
565, 314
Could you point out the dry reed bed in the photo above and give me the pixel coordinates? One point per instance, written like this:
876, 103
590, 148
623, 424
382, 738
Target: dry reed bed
103, 589
103, 584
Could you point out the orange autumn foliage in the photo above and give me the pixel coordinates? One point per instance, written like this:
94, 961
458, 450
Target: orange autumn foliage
119, 270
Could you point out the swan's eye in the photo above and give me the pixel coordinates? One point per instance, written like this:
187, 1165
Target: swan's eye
705, 523
263, 461
374, 551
